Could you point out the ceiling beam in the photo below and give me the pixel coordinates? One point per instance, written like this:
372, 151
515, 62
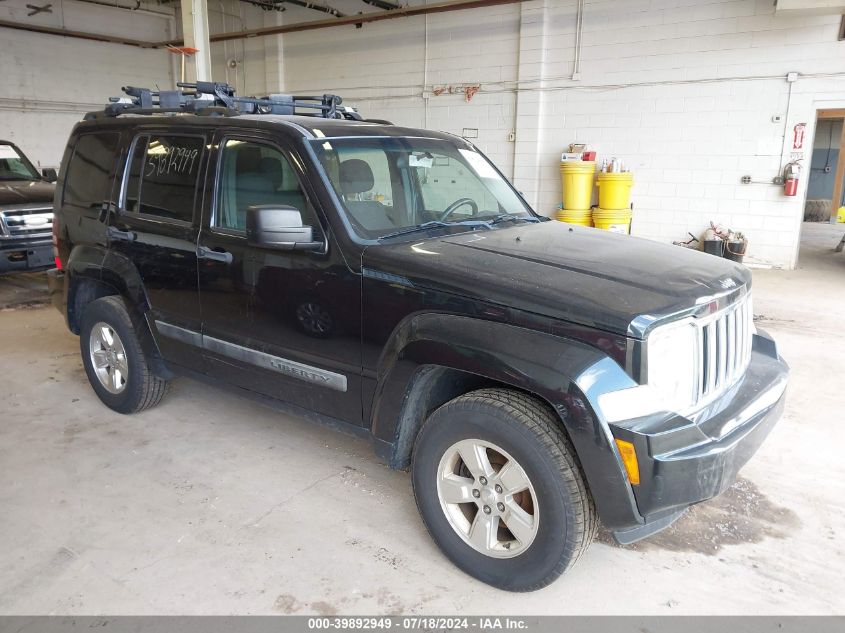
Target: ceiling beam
361, 18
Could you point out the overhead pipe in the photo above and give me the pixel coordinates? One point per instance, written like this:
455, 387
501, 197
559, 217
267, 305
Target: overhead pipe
382, 4
278, 5
266, 5
402, 12
316, 6
114, 4
82, 35
376, 16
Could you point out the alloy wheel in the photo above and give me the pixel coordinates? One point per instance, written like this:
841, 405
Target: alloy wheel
487, 498
108, 357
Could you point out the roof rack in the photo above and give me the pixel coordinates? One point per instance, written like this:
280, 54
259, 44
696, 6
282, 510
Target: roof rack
218, 99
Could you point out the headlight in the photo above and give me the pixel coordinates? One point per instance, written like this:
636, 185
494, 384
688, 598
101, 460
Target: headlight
672, 357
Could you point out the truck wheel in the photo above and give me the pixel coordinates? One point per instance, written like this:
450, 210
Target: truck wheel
114, 361
499, 488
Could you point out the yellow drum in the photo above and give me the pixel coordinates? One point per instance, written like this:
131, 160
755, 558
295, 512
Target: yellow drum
615, 190
581, 217
577, 179
615, 220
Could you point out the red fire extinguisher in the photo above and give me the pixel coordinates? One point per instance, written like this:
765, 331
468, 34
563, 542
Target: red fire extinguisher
791, 174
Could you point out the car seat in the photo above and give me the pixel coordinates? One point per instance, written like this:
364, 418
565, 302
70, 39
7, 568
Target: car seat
356, 177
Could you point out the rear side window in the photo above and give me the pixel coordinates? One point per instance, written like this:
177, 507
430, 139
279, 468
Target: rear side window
90, 172
162, 176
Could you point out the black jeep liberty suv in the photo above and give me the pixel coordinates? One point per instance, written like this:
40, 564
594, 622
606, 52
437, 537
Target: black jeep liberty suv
535, 377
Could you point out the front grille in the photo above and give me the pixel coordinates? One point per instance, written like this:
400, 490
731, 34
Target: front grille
724, 348
35, 222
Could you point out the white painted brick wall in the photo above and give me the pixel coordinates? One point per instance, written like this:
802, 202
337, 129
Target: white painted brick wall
47, 82
690, 144
658, 89
383, 68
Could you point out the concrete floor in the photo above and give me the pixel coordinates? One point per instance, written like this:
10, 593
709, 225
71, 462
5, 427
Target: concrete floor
214, 504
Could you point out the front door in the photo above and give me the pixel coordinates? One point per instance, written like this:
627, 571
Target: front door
283, 323
155, 231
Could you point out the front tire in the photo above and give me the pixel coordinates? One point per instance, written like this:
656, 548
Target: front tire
114, 360
499, 488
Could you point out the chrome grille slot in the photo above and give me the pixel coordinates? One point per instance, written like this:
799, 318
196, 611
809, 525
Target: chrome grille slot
26, 222
724, 348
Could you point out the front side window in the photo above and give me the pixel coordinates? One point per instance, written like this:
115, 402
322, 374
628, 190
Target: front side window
90, 173
14, 165
390, 184
163, 175
253, 173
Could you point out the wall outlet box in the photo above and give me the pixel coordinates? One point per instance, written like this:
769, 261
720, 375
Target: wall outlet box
777, 118
746, 180
790, 77
470, 132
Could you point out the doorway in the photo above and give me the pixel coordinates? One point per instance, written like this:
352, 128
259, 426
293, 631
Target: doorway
825, 178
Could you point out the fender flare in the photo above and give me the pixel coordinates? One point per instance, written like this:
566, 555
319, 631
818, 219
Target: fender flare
116, 274
85, 263
560, 371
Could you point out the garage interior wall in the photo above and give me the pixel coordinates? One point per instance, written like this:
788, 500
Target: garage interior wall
684, 91
47, 82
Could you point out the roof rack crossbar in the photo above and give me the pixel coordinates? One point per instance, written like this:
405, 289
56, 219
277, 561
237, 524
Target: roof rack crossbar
214, 98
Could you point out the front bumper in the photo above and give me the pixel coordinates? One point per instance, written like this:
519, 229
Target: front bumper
684, 461
16, 255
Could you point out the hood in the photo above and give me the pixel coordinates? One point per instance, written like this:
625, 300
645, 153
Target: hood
16, 192
576, 274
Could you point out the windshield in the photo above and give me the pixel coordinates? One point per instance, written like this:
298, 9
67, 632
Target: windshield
14, 165
390, 185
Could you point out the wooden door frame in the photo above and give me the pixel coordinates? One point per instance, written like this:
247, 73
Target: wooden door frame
839, 178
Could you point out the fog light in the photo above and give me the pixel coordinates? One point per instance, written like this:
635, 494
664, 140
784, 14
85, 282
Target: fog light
629, 458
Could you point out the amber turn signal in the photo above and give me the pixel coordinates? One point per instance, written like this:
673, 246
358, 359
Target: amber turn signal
629, 458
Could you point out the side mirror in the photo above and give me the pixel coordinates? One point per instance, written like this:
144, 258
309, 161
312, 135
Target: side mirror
279, 227
49, 174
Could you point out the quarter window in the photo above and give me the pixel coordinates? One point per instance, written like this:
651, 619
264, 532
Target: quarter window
162, 177
90, 172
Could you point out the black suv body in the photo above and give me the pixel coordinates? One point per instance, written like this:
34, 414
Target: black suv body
535, 376
26, 212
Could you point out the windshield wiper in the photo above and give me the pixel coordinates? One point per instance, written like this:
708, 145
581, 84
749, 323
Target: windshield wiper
435, 224
511, 217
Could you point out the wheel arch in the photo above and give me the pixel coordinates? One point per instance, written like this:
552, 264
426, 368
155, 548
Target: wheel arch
95, 273
433, 358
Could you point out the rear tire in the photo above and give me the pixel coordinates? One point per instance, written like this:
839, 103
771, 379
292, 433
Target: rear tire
114, 359
540, 529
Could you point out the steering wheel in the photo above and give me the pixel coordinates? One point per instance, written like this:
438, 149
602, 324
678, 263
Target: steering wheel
457, 204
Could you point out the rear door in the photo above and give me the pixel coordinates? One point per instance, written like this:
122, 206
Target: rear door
282, 323
156, 227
